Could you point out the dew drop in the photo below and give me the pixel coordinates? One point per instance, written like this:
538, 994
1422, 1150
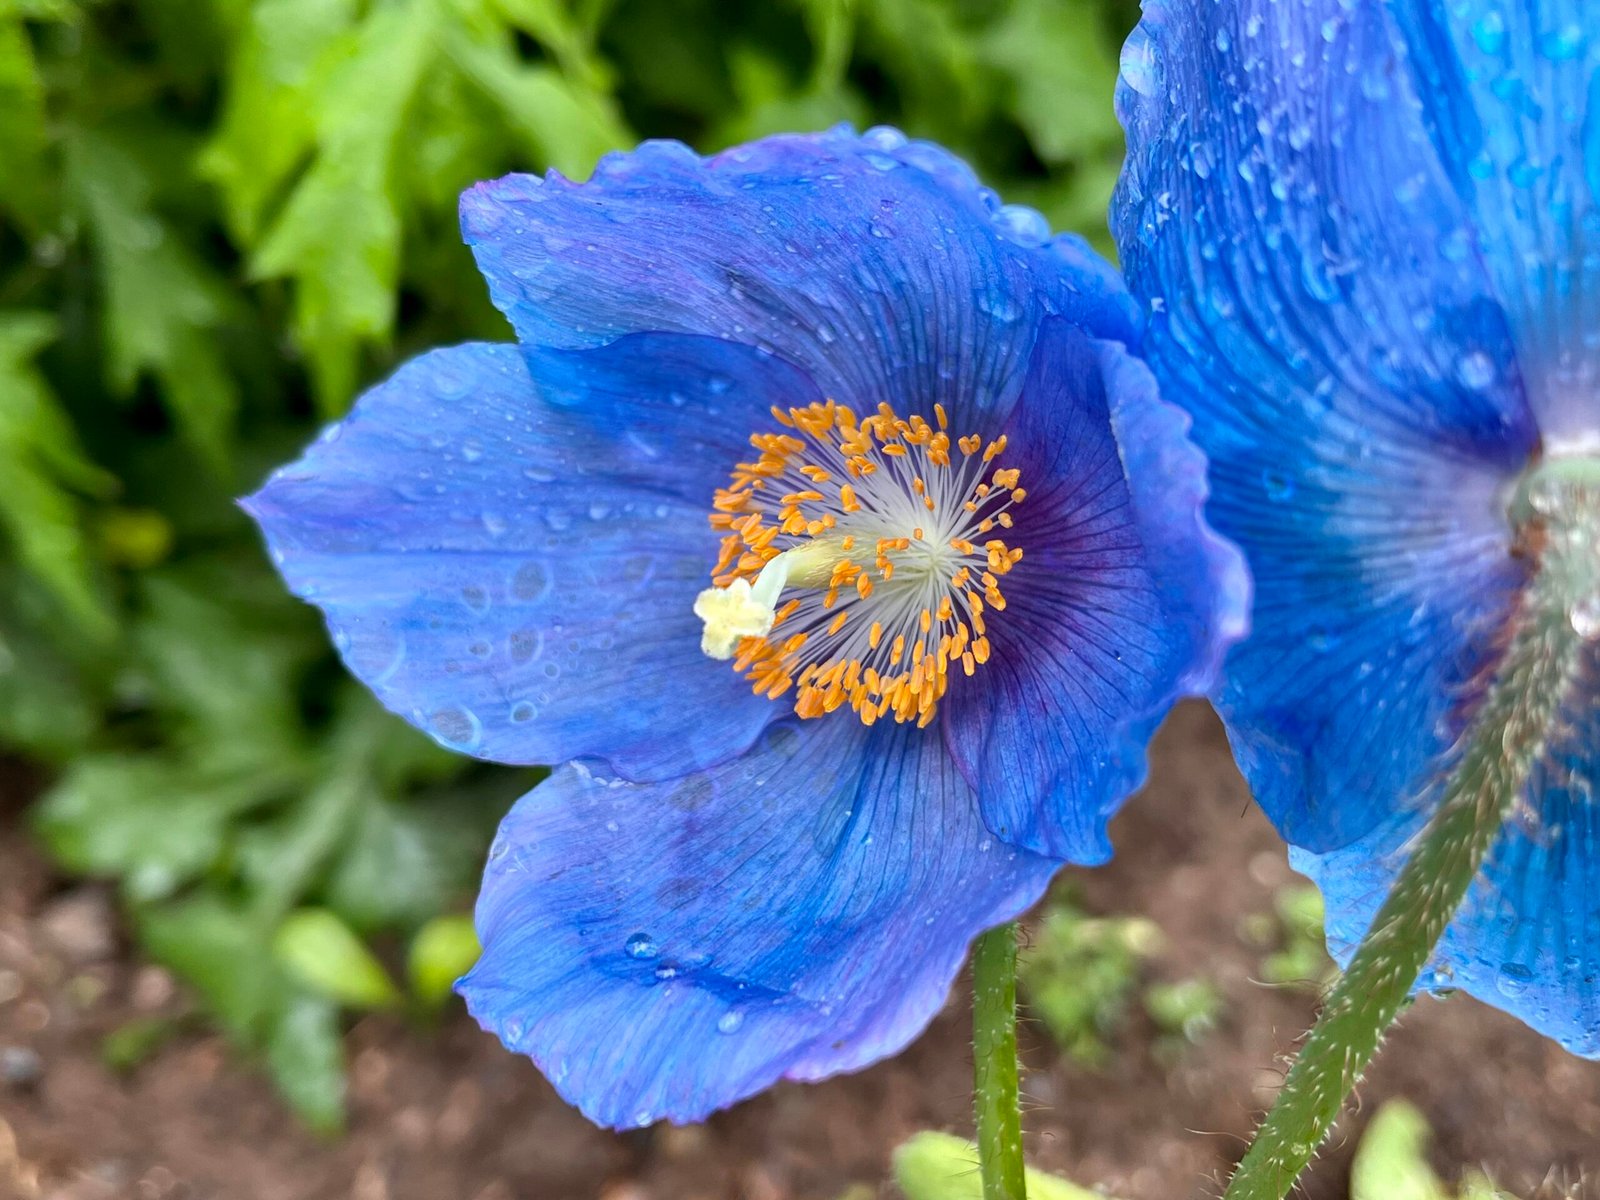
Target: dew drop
641, 945
1141, 63
1023, 225
1490, 33
730, 1021
1585, 618
1278, 486
1514, 978
1475, 370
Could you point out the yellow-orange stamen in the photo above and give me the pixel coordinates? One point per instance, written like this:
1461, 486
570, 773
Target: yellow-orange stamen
871, 512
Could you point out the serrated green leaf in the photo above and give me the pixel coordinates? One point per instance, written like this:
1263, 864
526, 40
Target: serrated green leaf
315, 947
156, 823
1062, 69
569, 42
767, 105
269, 125
25, 195
225, 674
937, 1166
443, 951
306, 1057
338, 237
39, 461
49, 704
162, 305
947, 93
217, 948
401, 863
559, 123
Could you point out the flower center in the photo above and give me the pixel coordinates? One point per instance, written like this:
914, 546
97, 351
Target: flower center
858, 563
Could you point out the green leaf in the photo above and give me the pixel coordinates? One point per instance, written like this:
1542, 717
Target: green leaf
40, 461
946, 92
937, 1166
217, 948
338, 237
1392, 1161
443, 951
163, 305
23, 139
49, 694
306, 1057
1062, 70
268, 125
224, 670
403, 862
154, 822
1078, 975
557, 122
317, 948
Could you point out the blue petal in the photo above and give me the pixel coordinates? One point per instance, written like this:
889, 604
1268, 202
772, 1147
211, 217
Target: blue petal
1511, 101
878, 265
512, 567
664, 950
1318, 304
1124, 601
1528, 938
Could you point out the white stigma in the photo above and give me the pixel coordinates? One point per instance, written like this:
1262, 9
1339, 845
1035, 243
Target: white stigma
740, 610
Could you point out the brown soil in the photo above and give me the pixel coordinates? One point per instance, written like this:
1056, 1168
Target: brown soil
450, 1115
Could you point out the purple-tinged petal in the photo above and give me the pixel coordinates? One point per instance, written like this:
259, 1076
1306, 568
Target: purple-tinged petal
512, 565
1124, 601
878, 265
664, 950
1317, 303
1527, 940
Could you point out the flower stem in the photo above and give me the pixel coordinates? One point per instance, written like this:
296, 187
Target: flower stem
1499, 749
994, 1054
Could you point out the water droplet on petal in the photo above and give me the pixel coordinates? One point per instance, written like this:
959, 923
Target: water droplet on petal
641, 945
1514, 978
730, 1021
1475, 370
1585, 618
1141, 62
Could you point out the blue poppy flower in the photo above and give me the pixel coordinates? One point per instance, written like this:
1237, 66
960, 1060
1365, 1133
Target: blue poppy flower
822, 525
1368, 236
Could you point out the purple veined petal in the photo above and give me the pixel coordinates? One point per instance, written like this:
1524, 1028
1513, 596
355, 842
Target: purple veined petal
879, 266
1123, 603
664, 950
1527, 939
1316, 302
512, 565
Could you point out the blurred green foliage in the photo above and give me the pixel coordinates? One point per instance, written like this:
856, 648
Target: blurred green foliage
219, 219
1391, 1163
1080, 975
1291, 936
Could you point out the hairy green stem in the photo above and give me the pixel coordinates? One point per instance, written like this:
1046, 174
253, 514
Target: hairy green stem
1559, 515
994, 1055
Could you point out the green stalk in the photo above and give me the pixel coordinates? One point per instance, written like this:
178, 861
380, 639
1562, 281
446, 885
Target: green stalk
1558, 512
994, 1061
